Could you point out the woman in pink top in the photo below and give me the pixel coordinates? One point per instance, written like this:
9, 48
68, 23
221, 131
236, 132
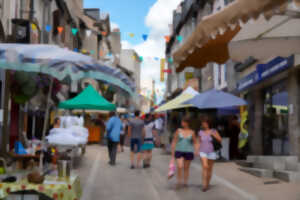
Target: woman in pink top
207, 152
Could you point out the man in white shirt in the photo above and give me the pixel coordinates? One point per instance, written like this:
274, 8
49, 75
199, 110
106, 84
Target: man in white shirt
159, 127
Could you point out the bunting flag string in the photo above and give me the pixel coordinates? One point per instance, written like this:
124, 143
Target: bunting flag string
131, 35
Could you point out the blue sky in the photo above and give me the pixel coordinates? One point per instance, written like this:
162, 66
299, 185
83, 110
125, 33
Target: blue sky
128, 14
140, 17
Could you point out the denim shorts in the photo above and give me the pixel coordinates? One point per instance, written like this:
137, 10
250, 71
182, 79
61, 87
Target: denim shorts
135, 145
209, 156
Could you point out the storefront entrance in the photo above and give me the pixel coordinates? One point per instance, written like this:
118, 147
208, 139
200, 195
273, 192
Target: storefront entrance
275, 120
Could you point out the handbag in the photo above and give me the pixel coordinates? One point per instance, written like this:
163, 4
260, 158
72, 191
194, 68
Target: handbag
216, 144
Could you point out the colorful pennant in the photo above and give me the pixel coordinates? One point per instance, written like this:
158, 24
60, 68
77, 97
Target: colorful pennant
88, 33
101, 53
84, 51
145, 37
170, 60
141, 58
179, 38
92, 52
103, 33
33, 27
156, 58
76, 50
48, 28
60, 29
167, 38
74, 31
131, 35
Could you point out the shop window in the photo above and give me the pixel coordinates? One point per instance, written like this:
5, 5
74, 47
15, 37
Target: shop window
275, 121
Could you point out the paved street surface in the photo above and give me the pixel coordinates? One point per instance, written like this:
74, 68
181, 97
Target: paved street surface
101, 181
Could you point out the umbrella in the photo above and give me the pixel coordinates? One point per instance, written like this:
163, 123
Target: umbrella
60, 63
215, 99
177, 103
88, 99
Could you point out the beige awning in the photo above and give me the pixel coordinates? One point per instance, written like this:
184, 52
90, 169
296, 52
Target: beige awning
208, 43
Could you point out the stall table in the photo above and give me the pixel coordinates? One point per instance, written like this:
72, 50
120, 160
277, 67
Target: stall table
53, 187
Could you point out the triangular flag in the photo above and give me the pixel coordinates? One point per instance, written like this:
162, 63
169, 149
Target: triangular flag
83, 51
145, 37
133, 57
109, 54
88, 33
167, 38
48, 28
131, 35
76, 50
156, 58
141, 58
60, 29
92, 52
74, 31
179, 38
33, 27
101, 53
103, 33
170, 60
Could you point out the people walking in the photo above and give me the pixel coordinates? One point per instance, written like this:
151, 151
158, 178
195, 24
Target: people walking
113, 128
184, 146
160, 129
135, 133
207, 152
123, 133
148, 140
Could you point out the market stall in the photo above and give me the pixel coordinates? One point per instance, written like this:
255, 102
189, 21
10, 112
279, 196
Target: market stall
90, 99
44, 169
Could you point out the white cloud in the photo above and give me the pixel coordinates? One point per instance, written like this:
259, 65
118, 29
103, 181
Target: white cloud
158, 19
126, 45
114, 26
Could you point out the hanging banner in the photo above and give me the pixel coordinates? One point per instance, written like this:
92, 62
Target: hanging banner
243, 137
162, 68
188, 76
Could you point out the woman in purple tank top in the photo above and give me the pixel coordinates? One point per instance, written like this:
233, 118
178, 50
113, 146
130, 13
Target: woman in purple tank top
207, 152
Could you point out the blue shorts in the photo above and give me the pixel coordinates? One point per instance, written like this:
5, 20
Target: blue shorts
135, 145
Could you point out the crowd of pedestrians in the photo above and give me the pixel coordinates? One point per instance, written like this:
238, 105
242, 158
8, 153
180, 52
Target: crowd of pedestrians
145, 134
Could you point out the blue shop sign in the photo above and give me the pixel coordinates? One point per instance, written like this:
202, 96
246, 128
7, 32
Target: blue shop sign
273, 67
264, 71
247, 81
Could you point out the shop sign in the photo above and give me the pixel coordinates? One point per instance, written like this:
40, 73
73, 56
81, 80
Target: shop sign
247, 81
264, 71
273, 67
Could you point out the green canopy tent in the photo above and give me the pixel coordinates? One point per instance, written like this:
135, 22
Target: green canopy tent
88, 99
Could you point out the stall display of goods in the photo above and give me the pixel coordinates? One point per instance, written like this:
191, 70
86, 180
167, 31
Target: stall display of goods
71, 132
53, 187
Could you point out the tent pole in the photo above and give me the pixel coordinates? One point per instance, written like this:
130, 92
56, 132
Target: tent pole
47, 109
5, 128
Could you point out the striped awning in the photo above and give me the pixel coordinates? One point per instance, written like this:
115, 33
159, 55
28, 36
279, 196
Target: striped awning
215, 31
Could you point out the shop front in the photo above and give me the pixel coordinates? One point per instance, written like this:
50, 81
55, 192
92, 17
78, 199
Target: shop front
270, 90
